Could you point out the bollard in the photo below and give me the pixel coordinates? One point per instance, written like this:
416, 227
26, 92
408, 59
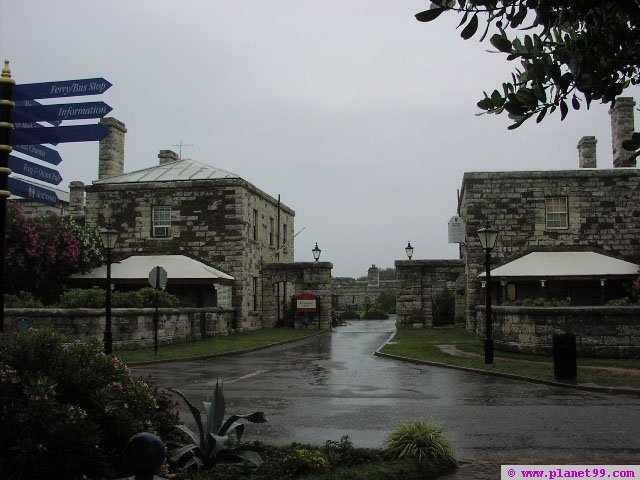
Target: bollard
564, 356
144, 454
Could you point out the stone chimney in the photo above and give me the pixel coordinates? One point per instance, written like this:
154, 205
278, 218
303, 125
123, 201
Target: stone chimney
621, 129
373, 276
111, 152
587, 152
167, 156
76, 199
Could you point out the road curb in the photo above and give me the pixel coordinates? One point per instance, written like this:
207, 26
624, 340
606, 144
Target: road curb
222, 354
510, 376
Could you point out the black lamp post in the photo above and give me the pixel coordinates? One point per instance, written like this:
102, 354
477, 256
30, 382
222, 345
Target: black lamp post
409, 250
109, 238
316, 252
488, 237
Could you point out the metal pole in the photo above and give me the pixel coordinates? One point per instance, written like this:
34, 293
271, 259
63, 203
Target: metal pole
108, 335
6, 105
488, 328
155, 313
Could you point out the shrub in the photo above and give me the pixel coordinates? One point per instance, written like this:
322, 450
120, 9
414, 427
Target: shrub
342, 452
68, 409
444, 308
95, 298
423, 442
349, 314
22, 300
304, 460
543, 302
620, 302
82, 298
375, 314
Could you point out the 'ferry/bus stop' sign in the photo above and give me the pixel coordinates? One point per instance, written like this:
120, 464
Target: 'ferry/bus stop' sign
306, 302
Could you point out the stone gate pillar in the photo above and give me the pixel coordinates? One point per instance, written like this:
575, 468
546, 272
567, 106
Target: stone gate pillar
418, 282
307, 277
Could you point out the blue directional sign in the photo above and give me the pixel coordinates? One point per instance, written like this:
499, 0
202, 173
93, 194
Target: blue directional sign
33, 103
40, 152
63, 88
33, 170
74, 133
67, 111
32, 192
30, 125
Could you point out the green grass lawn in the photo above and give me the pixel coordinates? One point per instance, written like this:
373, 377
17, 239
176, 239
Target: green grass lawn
422, 344
223, 344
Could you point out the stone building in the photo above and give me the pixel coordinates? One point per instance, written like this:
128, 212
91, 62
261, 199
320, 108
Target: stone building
583, 210
183, 207
586, 210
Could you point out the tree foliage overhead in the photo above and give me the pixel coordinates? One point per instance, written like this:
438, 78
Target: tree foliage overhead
569, 52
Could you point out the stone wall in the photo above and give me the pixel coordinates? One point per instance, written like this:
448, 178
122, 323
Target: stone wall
603, 216
348, 293
305, 277
418, 282
132, 327
608, 332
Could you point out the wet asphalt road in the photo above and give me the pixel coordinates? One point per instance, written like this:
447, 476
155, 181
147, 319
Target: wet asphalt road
329, 386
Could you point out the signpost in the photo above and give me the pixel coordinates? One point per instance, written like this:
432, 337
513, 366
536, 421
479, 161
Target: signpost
18, 104
39, 152
158, 280
33, 170
73, 133
61, 89
65, 111
32, 192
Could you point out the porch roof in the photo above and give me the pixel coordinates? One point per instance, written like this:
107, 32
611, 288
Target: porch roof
565, 264
136, 269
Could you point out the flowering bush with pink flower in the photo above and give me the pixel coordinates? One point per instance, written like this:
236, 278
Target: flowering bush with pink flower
42, 253
67, 410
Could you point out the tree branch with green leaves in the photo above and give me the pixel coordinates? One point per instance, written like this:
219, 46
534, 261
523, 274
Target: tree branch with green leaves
569, 52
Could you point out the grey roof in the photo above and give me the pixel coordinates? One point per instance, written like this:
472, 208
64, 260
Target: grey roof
185, 169
565, 264
138, 267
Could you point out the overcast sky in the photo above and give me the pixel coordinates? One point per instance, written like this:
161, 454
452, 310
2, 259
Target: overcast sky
360, 117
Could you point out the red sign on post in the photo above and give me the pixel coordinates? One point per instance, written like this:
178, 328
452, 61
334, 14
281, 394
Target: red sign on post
306, 302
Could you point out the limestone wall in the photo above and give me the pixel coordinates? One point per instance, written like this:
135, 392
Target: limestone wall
418, 281
611, 332
132, 327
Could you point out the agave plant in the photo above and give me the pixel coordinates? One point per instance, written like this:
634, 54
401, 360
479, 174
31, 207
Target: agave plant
212, 442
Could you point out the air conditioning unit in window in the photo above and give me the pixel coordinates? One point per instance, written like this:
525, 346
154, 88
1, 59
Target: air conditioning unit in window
160, 231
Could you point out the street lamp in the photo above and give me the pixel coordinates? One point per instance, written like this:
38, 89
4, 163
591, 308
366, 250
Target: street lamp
109, 238
409, 250
316, 252
488, 237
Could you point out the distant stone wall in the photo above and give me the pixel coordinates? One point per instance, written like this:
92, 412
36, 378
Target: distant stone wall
132, 327
349, 293
607, 332
419, 281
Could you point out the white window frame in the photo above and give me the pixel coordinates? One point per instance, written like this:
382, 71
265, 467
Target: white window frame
161, 221
556, 213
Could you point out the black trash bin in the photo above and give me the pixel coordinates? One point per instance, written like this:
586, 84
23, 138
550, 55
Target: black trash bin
564, 356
